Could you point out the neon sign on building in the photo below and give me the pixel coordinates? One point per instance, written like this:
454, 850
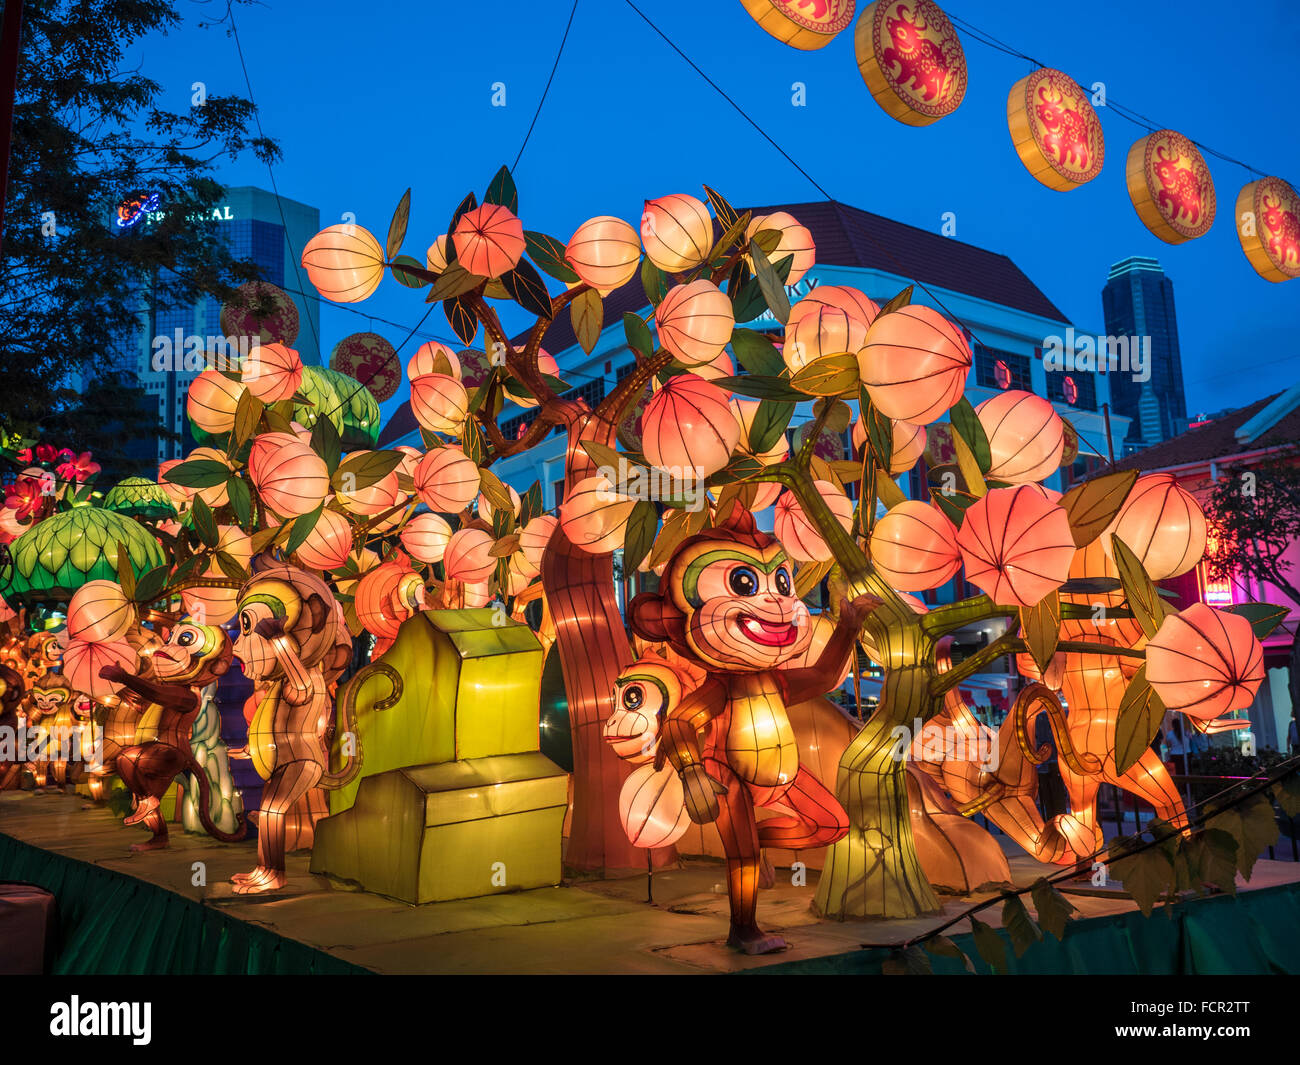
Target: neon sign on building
131, 211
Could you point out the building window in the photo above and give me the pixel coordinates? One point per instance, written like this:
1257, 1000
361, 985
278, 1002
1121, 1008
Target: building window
1002, 369
1077, 389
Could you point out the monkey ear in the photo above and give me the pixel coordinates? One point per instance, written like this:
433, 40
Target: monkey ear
648, 615
219, 667
320, 611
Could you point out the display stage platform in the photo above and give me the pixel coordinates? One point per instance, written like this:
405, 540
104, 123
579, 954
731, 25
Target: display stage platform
154, 913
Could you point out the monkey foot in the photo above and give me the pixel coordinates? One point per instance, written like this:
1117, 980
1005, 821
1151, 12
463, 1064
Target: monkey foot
260, 879
766, 872
753, 940
146, 806
156, 844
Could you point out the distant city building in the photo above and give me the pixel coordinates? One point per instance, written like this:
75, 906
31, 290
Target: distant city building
1138, 303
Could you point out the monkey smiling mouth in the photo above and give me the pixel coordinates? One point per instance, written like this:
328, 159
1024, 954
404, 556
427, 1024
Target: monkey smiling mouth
779, 634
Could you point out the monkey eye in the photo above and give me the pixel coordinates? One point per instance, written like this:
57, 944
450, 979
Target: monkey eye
245, 623
744, 581
783, 581
633, 696
185, 638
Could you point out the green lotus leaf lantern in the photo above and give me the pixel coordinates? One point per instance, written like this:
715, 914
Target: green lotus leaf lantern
360, 411
318, 386
139, 497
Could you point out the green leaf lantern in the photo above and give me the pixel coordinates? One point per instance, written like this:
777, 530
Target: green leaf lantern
139, 497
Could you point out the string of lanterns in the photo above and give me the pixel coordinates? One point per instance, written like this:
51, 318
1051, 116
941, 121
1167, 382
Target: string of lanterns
911, 59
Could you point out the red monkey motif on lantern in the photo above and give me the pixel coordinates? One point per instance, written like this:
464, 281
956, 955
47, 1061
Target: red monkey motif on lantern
1180, 192
1284, 232
727, 603
1065, 132
920, 60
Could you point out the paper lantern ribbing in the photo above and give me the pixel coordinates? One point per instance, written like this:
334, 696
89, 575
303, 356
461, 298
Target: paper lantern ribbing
290, 477
1170, 186
799, 23
914, 364
798, 534
467, 556
745, 411
688, 428
211, 401
99, 612
533, 539
1026, 436
375, 498
824, 331
82, 661
643, 691
214, 495
344, 262
908, 443
605, 252
439, 403
486, 510
677, 232
272, 372
1205, 662
911, 59
446, 480
914, 546
436, 256
328, 544
489, 240
652, 807
1016, 545
850, 300
796, 241
215, 606
386, 596
1268, 226
1056, 132
594, 515
695, 322
719, 368
425, 361
1162, 524
425, 537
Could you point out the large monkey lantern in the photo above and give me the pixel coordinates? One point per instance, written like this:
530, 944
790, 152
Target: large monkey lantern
727, 603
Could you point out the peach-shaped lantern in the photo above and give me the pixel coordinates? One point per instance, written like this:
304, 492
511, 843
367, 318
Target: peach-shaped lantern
546, 365
386, 596
1205, 662
800, 24
604, 251
745, 410
594, 515
1272, 243
344, 262
1162, 524
425, 537
83, 659
914, 546
798, 534
486, 510
911, 58
291, 479
446, 480
823, 331
908, 443
851, 301
177, 493
1170, 186
677, 232
425, 361
719, 368
211, 401
652, 807
99, 612
373, 499
533, 539
468, 556
272, 372
215, 606
489, 240
643, 690
1056, 132
436, 257
328, 544
215, 495
914, 364
796, 241
439, 403
695, 322
1016, 545
688, 429
1026, 436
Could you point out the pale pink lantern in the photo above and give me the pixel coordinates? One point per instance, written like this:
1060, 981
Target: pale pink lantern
215, 606
485, 509
425, 537
1016, 545
604, 252
652, 807
798, 534
215, 495
796, 240
83, 659
688, 428
677, 232
908, 443
851, 301
411, 457
328, 544
594, 515
289, 476
468, 556
436, 256
914, 364
1026, 436
425, 361
914, 546
695, 322
439, 403
272, 372
1162, 524
446, 480
719, 368
533, 539
489, 240
823, 331
373, 499
546, 365
1205, 662
99, 612
212, 400
344, 262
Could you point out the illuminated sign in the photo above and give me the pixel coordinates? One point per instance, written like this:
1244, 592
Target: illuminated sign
129, 212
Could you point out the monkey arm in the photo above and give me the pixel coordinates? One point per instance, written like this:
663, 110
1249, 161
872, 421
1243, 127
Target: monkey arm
819, 678
297, 688
679, 736
172, 695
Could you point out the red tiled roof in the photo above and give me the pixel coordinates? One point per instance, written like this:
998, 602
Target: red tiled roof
1215, 441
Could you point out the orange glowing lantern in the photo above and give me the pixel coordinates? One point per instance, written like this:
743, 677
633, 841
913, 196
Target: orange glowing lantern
446, 479
824, 331
215, 606
468, 556
914, 546
386, 596
426, 361
1205, 662
290, 477
851, 301
1016, 545
795, 241
533, 539
911, 59
1268, 226
688, 429
425, 537
695, 322
272, 372
344, 262
1056, 132
799, 23
914, 364
486, 510
908, 443
1170, 186
489, 240
439, 403
719, 368
82, 661
328, 544
677, 232
212, 400
1026, 436
798, 534
1162, 524
652, 807
99, 612
604, 252
594, 515
436, 257
215, 495
373, 499
177, 493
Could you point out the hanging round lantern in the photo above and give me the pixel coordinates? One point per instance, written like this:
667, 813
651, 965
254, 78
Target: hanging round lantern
533, 539
824, 331
1026, 436
446, 480
1016, 545
677, 232
719, 368
375, 498
914, 546
1205, 662
468, 556
1170, 186
386, 596
547, 366
799, 23
371, 361
489, 240
486, 510
908, 443
695, 322
427, 358
1162, 524
260, 311
82, 661
215, 495
799, 536
604, 252
216, 606
328, 544
1056, 132
914, 364
850, 300
436, 257
425, 537
439, 403
345, 263
745, 410
1268, 226
795, 241
911, 59
211, 402
99, 612
688, 429
272, 372
594, 515
289, 476
652, 807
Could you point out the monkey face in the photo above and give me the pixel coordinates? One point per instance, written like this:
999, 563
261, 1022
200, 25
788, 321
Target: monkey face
642, 694
255, 651
193, 654
48, 700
